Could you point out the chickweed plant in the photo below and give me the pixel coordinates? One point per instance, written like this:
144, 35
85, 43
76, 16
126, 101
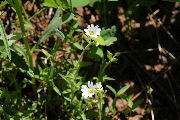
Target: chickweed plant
53, 89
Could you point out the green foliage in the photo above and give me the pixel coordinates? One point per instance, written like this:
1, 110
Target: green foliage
111, 57
52, 28
3, 3
52, 3
95, 53
122, 90
5, 40
109, 35
112, 89
100, 40
78, 3
53, 83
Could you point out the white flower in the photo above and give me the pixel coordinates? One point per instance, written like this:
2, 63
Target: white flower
98, 87
97, 44
92, 31
88, 91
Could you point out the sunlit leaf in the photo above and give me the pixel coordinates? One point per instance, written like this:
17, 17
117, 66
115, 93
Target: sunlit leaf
112, 89
5, 40
100, 40
58, 20
79, 3
122, 90
77, 45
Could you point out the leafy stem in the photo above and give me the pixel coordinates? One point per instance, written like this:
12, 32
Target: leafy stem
100, 107
83, 52
25, 40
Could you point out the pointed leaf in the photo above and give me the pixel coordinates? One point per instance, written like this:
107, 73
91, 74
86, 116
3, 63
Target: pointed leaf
79, 3
53, 26
122, 90
5, 40
56, 89
3, 3
60, 34
112, 89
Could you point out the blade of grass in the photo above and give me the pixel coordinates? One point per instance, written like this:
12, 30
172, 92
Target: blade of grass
5, 40
38, 13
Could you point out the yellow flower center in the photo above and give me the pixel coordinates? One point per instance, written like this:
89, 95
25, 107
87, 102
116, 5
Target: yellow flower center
91, 32
91, 90
98, 88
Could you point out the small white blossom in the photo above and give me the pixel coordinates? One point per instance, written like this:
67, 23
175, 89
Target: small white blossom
98, 87
92, 31
88, 91
97, 44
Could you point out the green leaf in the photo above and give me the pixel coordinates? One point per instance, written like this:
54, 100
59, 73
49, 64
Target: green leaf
91, 113
68, 99
79, 3
77, 45
64, 77
117, 54
95, 53
3, 3
109, 55
107, 78
86, 38
19, 49
130, 97
15, 36
114, 103
57, 20
100, 40
60, 34
85, 64
83, 116
52, 3
56, 89
126, 112
27, 24
109, 35
11, 39
5, 40
130, 104
122, 90
112, 89
137, 103
19, 61
110, 41
66, 91
114, 60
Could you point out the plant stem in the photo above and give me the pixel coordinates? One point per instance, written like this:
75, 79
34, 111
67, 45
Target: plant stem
83, 52
100, 107
77, 65
38, 13
102, 71
25, 40
18, 7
